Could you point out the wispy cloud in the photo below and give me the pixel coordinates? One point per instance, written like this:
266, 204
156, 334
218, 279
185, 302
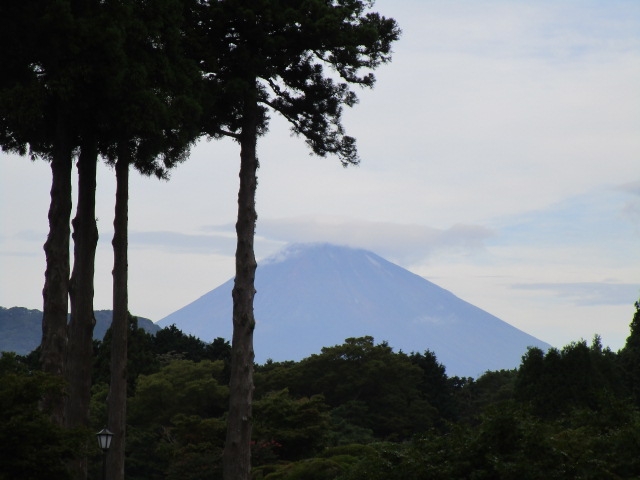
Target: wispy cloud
631, 208
175, 242
402, 242
19, 254
631, 187
604, 217
27, 236
589, 293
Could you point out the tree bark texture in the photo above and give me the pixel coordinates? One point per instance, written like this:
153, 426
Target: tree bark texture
237, 450
55, 293
79, 358
117, 401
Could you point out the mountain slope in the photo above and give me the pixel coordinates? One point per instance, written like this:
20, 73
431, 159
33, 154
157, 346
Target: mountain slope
21, 328
311, 296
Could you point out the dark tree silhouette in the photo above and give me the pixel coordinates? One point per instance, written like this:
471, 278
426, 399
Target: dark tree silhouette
93, 77
46, 54
274, 56
151, 122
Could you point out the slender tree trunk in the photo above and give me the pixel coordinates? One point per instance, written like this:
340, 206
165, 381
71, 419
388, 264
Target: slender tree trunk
79, 359
117, 402
55, 293
237, 450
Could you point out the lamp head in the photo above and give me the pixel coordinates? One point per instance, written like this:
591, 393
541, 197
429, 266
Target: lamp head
104, 439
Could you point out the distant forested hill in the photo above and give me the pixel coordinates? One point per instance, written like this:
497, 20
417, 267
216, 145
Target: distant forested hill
21, 328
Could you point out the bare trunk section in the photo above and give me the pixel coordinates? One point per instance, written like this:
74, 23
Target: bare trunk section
117, 401
80, 329
237, 450
55, 293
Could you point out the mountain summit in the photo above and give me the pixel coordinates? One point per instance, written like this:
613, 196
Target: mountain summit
311, 296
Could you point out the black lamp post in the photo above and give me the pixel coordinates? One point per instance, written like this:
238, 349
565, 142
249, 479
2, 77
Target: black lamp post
104, 440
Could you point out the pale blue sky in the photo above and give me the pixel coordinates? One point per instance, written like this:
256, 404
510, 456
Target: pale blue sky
500, 159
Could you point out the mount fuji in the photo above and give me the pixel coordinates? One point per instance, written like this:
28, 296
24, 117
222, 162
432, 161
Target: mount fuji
311, 296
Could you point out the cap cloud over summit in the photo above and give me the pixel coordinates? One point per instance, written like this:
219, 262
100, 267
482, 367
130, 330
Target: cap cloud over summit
311, 296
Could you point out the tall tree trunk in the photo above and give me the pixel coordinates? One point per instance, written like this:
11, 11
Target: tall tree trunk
55, 293
79, 359
117, 402
237, 450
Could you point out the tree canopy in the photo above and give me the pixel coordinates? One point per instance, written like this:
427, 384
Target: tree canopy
296, 58
310, 416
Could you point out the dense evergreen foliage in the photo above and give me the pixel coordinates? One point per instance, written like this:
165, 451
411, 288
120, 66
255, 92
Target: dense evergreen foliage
33, 446
352, 411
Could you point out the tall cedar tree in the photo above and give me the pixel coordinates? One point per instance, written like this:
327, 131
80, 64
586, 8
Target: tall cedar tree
117, 400
94, 76
107, 31
98, 57
48, 100
153, 120
273, 55
40, 111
